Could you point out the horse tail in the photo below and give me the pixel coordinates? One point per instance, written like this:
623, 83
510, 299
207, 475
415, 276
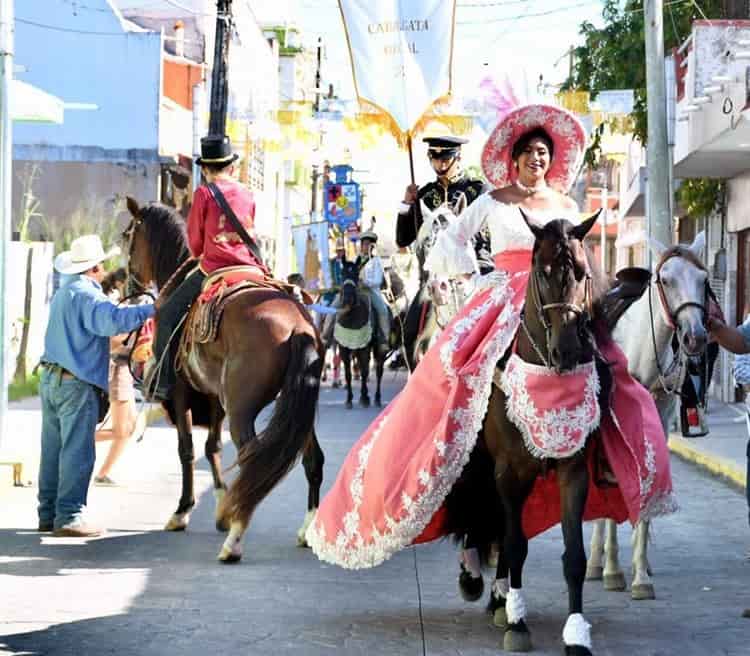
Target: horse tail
265, 460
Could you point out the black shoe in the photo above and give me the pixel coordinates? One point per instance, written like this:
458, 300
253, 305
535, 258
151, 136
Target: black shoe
45, 527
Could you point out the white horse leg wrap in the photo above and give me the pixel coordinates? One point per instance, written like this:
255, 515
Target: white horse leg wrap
470, 559
500, 588
515, 605
577, 631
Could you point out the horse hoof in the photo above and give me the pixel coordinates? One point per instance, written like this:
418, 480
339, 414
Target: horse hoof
515, 639
500, 618
302, 532
177, 522
642, 592
222, 525
577, 650
229, 558
378, 403
365, 403
471, 588
348, 405
594, 573
614, 582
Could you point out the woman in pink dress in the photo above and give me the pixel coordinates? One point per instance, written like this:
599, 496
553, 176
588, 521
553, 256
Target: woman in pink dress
391, 489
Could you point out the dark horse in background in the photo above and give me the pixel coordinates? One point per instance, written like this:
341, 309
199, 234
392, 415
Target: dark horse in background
486, 503
355, 332
266, 348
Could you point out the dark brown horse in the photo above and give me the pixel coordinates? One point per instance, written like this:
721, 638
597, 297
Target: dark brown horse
266, 347
486, 504
356, 334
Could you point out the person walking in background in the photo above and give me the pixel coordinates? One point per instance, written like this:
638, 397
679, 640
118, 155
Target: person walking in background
123, 416
74, 374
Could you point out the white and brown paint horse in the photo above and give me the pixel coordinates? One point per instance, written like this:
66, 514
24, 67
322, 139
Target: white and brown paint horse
675, 304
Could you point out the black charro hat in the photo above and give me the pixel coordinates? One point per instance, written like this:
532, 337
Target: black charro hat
444, 147
217, 150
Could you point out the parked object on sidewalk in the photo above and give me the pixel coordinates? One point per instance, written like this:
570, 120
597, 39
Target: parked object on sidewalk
74, 372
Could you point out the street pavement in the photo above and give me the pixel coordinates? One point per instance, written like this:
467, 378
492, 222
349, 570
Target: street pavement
140, 590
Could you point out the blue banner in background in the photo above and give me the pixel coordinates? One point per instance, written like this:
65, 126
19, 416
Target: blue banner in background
342, 203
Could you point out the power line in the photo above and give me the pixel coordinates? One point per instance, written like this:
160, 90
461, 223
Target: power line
57, 28
527, 15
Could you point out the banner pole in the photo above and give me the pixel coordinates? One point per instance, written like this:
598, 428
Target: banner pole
411, 157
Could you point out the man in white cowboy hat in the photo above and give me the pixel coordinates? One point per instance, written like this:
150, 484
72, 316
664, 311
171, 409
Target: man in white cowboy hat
372, 276
74, 371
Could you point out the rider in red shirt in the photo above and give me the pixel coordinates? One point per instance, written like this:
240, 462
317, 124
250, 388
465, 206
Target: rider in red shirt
213, 241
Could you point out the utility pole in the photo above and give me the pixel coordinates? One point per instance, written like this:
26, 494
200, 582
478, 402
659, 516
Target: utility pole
217, 121
603, 226
317, 75
659, 218
6, 161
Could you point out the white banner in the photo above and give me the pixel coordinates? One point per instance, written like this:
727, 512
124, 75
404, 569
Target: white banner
401, 54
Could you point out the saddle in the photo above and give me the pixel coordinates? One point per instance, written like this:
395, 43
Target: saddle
221, 287
630, 285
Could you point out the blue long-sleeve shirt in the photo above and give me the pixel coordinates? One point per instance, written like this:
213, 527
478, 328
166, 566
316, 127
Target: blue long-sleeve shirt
81, 321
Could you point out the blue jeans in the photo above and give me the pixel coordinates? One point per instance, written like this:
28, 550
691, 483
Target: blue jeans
70, 409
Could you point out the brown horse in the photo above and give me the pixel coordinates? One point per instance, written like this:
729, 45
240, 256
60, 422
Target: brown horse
486, 504
267, 346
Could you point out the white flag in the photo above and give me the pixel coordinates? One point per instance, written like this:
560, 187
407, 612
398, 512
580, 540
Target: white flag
401, 54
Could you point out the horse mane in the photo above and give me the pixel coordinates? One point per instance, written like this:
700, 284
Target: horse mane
600, 282
166, 234
679, 250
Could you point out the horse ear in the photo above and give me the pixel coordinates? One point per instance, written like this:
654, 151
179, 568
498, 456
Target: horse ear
133, 206
426, 212
583, 228
460, 205
657, 248
699, 243
535, 225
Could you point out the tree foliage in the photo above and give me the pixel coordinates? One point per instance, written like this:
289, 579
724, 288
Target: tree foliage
613, 56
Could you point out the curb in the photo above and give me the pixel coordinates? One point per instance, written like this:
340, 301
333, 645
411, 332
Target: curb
730, 471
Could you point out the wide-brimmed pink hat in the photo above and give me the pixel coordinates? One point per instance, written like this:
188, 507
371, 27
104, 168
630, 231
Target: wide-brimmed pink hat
565, 130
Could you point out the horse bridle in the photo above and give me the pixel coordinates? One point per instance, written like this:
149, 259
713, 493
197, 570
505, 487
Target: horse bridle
669, 315
129, 234
671, 319
583, 313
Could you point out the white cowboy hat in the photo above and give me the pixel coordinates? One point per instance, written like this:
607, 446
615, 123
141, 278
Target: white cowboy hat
85, 252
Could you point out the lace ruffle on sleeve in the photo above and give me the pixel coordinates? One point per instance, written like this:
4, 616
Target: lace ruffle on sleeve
453, 252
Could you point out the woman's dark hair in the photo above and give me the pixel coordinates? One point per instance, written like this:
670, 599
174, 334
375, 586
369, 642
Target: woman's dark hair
525, 139
118, 275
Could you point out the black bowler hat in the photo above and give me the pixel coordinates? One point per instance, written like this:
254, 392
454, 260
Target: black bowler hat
444, 147
216, 149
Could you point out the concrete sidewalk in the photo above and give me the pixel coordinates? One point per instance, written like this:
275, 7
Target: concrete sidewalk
723, 452
19, 453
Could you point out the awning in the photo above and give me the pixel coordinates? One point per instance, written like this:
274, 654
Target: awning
30, 104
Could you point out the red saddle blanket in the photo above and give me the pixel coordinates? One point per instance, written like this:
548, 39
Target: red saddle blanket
217, 284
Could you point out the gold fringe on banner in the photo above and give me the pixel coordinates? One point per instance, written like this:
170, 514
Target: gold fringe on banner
376, 121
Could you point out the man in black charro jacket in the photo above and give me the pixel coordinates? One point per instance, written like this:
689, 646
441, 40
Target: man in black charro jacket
451, 183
